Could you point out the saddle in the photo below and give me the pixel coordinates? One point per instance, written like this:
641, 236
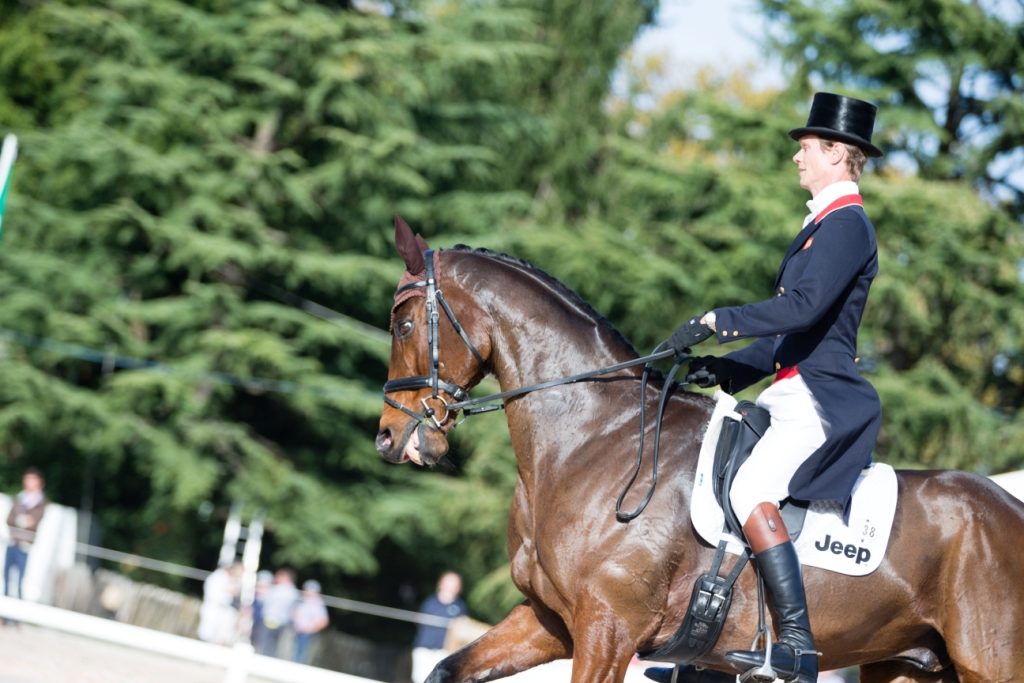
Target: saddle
712, 593
735, 444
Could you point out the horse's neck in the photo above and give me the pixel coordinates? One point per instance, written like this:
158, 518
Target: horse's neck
539, 333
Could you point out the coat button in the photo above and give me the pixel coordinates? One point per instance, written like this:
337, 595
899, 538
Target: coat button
778, 366
735, 333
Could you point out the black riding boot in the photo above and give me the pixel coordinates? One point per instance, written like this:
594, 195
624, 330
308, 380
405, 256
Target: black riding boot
794, 657
686, 674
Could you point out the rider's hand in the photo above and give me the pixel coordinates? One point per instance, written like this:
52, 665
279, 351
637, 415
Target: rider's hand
691, 332
707, 371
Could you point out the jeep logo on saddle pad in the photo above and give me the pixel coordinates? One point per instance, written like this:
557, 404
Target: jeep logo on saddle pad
849, 550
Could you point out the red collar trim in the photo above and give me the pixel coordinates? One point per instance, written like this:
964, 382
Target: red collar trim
848, 200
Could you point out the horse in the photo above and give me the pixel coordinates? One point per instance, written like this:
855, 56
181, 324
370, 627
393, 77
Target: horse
946, 604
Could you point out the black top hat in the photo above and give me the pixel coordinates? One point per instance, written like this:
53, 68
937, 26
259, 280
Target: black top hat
837, 117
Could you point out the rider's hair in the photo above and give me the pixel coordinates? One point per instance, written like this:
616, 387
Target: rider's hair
855, 157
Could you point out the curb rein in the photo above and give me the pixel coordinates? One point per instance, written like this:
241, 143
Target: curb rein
438, 417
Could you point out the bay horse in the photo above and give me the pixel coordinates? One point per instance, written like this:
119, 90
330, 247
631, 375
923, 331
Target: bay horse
949, 595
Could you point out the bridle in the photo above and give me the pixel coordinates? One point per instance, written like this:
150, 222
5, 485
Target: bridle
432, 381
438, 417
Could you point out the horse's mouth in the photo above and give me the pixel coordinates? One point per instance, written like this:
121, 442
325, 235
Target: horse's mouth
406, 449
412, 448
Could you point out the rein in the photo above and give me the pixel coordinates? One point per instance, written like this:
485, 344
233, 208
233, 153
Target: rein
483, 404
467, 406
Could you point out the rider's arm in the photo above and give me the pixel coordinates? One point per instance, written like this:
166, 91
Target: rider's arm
750, 364
839, 251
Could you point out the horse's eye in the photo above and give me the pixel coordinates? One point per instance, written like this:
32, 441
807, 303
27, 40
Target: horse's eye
404, 328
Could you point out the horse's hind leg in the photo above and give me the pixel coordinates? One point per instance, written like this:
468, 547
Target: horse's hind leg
900, 672
981, 609
524, 639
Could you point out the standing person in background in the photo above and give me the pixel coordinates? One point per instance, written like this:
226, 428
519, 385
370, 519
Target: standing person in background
277, 611
23, 521
218, 615
308, 618
428, 648
257, 633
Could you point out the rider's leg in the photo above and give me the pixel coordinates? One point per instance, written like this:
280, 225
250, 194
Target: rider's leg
795, 433
794, 657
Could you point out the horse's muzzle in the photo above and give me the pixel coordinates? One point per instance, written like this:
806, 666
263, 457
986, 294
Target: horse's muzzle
417, 443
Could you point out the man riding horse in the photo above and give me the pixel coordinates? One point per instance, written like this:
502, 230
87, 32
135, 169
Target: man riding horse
825, 417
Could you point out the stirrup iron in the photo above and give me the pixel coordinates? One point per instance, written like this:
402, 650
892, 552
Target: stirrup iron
764, 673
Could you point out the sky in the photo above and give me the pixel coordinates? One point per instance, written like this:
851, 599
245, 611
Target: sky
697, 33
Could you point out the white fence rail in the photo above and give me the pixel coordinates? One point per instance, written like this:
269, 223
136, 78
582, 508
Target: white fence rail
239, 662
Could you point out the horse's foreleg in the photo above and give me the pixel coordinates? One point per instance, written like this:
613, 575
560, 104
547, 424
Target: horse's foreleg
603, 648
524, 639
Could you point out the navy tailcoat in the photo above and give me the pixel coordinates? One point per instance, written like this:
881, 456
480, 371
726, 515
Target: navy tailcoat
811, 323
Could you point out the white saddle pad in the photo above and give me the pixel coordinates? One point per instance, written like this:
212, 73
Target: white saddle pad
856, 548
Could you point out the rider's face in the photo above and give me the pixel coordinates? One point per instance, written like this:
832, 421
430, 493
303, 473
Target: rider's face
816, 164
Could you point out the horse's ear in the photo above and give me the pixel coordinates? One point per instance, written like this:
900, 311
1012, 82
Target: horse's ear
409, 247
421, 243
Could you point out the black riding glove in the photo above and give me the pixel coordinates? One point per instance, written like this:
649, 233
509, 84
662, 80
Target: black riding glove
689, 333
707, 371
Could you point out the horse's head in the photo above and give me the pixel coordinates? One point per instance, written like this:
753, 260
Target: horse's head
439, 350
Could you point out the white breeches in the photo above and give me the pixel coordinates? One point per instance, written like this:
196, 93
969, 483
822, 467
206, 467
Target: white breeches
796, 432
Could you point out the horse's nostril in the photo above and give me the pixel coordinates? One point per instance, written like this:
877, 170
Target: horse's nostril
384, 439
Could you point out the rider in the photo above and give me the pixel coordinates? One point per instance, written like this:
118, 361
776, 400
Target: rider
824, 416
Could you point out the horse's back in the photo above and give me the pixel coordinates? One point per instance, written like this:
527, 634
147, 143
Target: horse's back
942, 511
959, 497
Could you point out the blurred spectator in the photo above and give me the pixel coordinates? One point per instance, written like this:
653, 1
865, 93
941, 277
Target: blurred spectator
428, 648
218, 615
276, 612
264, 580
23, 521
308, 618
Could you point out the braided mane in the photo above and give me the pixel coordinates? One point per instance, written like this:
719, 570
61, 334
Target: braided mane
555, 284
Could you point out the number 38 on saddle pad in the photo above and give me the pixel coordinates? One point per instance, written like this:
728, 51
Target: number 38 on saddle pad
855, 548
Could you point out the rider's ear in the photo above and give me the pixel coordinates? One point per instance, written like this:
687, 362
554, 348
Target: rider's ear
408, 246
